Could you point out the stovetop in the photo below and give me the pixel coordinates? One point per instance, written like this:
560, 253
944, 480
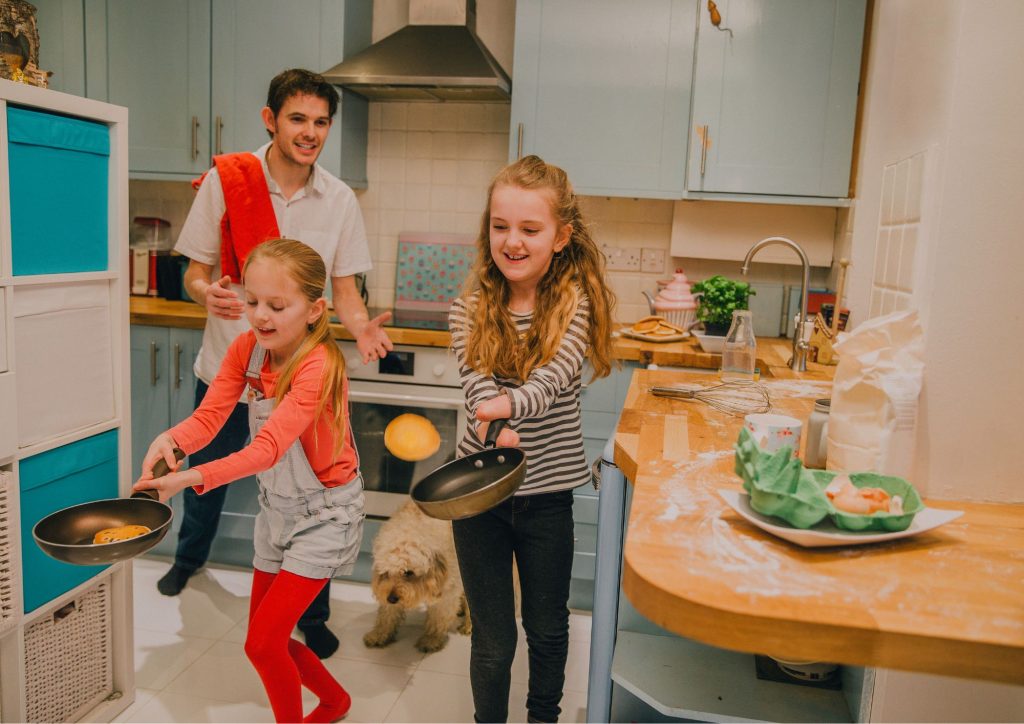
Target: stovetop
413, 318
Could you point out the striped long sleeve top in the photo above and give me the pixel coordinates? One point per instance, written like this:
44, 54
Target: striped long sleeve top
545, 409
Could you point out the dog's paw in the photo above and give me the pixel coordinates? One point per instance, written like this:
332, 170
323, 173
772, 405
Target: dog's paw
376, 638
429, 644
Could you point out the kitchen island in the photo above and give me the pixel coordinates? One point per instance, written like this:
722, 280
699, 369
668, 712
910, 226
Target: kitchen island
947, 601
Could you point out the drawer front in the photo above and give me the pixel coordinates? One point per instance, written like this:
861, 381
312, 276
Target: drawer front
79, 472
58, 183
64, 358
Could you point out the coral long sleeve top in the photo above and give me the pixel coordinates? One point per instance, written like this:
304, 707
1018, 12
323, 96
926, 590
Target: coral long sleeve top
293, 419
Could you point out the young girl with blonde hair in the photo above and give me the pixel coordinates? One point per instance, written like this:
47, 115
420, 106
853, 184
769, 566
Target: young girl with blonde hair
535, 307
310, 520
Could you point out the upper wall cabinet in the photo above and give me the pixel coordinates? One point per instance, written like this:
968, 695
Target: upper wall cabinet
605, 88
775, 98
194, 74
602, 89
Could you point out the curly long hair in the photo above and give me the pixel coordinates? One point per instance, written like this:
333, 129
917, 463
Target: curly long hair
306, 267
493, 345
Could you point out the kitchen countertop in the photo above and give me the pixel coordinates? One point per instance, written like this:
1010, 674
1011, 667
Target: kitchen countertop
947, 601
188, 315
772, 353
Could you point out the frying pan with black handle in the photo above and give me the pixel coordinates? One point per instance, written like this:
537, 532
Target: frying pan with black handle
67, 534
473, 484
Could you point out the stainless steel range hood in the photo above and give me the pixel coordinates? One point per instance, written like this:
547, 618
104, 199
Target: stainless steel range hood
426, 62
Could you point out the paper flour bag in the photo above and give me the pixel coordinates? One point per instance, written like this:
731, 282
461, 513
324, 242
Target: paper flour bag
874, 396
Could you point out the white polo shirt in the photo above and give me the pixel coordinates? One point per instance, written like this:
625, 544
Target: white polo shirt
323, 214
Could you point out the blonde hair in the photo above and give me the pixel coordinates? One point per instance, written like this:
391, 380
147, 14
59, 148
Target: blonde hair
306, 267
493, 346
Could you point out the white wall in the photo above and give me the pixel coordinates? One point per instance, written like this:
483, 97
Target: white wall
937, 227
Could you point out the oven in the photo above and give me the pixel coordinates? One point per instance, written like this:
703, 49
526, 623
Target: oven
420, 380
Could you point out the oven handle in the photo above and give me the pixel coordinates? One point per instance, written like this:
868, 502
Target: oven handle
418, 400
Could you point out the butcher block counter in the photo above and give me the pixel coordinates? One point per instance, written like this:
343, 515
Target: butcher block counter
188, 315
772, 353
948, 601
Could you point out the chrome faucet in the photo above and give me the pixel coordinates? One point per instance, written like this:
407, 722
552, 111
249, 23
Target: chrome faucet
802, 331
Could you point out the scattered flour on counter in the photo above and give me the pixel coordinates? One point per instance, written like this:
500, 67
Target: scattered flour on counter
685, 498
798, 388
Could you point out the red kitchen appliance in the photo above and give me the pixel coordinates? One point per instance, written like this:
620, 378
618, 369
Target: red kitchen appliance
150, 239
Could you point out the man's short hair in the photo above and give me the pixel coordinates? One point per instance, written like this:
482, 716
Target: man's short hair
298, 81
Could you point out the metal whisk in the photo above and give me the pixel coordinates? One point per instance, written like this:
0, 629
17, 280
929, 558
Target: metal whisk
735, 398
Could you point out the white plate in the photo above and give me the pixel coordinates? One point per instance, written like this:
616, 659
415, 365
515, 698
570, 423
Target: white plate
826, 534
711, 343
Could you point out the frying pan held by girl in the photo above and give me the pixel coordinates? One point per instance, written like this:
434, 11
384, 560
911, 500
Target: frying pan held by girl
474, 484
67, 534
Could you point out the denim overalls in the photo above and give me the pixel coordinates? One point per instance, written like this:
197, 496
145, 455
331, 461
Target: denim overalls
302, 527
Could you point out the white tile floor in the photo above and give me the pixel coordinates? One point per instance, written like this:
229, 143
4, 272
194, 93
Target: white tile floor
190, 666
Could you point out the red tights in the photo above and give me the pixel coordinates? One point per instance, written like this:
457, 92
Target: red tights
284, 664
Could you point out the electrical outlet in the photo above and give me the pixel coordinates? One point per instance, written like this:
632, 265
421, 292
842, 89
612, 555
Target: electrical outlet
652, 260
622, 259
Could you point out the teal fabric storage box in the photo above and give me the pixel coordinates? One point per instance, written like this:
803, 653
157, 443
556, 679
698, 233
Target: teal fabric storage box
58, 186
68, 475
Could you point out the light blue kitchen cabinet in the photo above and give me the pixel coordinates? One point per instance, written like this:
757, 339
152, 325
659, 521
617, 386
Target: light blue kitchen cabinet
775, 98
163, 384
602, 89
153, 56
194, 75
61, 25
600, 402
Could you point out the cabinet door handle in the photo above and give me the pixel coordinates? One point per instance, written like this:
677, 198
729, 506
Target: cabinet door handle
195, 137
703, 148
220, 127
519, 143
153, 376
177, 366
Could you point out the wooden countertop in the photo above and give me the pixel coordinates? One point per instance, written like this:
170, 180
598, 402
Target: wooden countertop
188, 315
949, 601
772, 353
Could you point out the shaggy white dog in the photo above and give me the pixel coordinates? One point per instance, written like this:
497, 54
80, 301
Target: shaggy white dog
414, 564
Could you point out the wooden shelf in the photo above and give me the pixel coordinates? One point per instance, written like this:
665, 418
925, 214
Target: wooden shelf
687, 680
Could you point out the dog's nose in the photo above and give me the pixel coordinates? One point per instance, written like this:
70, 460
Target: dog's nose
392, 598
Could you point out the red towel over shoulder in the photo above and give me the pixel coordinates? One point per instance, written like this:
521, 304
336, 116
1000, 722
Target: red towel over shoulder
249, 219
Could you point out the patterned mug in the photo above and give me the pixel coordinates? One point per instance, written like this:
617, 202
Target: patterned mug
771, 431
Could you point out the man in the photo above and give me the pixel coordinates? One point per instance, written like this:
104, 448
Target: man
230, 215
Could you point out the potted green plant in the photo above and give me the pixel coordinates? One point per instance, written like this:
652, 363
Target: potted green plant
719, 298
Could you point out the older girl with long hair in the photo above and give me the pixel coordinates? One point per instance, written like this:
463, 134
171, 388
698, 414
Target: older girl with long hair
535, 307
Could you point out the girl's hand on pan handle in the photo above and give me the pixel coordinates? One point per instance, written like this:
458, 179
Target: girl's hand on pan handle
162, 447
169, 485
506, 438
497, 408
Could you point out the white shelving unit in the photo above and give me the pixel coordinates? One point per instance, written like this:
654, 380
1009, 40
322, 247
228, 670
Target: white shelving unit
68, 658
685, 679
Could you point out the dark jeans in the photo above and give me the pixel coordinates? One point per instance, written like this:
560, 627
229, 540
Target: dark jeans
202, 512
538, 529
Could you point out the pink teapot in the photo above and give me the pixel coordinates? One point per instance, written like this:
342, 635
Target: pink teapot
674, 301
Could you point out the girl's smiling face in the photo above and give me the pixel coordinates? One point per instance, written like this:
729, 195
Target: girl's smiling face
524, 236
277, 309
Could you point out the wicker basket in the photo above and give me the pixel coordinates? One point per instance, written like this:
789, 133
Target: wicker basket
68, 658
8, 576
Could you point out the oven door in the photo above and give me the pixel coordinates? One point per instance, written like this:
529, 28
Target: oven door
373, 405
